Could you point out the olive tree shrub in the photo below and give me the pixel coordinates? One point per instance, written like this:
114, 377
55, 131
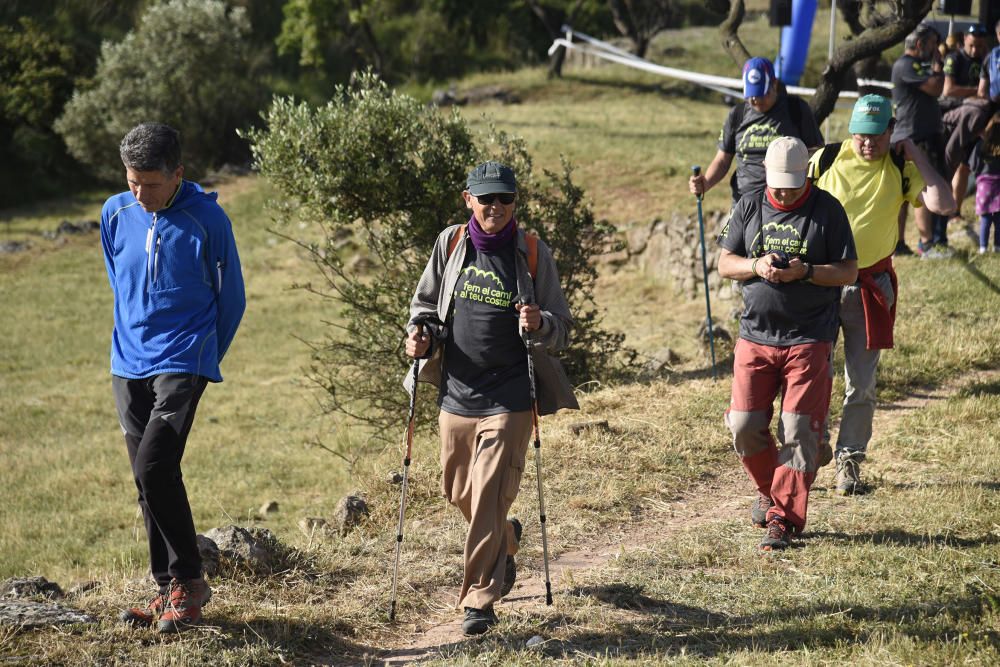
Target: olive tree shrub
187, 64
381, 166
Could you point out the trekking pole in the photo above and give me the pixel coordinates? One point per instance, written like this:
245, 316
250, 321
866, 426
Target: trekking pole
704, 271
536, 433
406, 471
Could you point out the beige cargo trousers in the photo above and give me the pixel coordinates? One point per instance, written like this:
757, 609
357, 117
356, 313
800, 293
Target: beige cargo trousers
482, 459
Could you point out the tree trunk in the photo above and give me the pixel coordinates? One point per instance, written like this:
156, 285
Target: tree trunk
870, 43
729, 32
553, 20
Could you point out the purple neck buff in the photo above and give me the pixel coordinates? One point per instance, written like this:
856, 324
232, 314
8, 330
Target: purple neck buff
491, 242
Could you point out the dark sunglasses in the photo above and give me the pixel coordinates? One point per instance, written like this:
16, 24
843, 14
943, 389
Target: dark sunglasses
506, 198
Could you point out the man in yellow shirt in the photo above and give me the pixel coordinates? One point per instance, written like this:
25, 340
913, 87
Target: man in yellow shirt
871, 183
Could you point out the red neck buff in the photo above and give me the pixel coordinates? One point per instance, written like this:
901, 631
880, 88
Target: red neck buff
795, 204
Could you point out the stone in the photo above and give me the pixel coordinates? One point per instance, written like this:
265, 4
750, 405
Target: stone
350, 512
360, 264
252, 549
83, 588
270, 507
312, 526
661, 360
30, 587
395, 477
26, 614
210, 555
579, 427
537, 640
719, 333
11, 247
637, 236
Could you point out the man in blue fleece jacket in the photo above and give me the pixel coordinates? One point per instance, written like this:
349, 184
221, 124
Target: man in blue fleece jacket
172, 262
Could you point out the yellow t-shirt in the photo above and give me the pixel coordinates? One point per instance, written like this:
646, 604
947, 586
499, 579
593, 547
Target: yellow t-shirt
871, 193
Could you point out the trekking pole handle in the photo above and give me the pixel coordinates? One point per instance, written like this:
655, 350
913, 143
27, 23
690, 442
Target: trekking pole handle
696, 172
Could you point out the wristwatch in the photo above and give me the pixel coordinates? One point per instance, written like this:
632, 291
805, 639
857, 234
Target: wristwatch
809, 271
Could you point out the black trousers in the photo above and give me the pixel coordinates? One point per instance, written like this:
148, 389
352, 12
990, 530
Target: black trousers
156, 414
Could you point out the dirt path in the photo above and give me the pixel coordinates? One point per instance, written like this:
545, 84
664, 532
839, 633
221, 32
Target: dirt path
721, 498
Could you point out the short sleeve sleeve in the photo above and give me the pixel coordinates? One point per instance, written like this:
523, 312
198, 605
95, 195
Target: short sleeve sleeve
731, 237
915, 183
727, 137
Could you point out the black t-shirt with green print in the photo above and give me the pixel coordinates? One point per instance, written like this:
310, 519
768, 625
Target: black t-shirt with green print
747, 134
485, 368
784, 314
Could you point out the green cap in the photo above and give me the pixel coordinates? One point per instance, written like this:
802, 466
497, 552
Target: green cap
491, 178
871, 115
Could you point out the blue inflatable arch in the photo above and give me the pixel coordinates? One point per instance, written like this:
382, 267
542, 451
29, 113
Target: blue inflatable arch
791, 62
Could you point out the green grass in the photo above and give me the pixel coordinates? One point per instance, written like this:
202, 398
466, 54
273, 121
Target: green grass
906, 575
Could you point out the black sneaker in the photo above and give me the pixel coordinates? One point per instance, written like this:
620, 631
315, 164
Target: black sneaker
779, 535
758, 511
510, 571
902, 249
478, 621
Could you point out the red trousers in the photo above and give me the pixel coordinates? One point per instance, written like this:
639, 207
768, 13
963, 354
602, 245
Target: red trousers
803, 376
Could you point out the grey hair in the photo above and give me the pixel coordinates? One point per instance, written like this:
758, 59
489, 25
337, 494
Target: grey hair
920, 33
151, 147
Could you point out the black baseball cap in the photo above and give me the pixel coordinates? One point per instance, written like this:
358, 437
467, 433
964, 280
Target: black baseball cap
977, 29
491, 178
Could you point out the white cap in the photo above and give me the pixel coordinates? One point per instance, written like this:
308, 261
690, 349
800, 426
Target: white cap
786, 163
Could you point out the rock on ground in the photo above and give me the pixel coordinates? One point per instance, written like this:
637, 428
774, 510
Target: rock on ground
29, 614
29, 587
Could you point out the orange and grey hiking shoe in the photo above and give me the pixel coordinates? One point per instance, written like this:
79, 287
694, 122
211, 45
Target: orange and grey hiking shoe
144, 616
184, 600
758, 511
779, 535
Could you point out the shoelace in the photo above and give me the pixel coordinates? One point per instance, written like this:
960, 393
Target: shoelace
776, 529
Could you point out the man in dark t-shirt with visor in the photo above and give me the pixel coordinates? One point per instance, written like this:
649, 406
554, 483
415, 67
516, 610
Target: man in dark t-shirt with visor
767, 113
791, 247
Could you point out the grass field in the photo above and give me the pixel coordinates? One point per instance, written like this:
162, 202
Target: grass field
906, 575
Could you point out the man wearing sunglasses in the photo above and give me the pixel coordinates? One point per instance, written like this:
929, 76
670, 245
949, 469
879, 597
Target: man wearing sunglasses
868, 181
475, 281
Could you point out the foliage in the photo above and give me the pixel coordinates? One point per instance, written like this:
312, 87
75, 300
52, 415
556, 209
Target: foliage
35, 82
380, 165
407, 39
187, 64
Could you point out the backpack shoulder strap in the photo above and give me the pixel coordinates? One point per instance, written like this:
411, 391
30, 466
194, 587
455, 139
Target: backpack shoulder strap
900, 162
531, 240
455, 238
827, 155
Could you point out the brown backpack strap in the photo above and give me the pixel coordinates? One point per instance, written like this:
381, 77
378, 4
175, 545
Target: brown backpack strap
530, 239
455, 238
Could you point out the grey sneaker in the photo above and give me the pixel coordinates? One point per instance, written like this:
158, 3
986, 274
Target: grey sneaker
938, 252
758, 511
510, 569
848, 480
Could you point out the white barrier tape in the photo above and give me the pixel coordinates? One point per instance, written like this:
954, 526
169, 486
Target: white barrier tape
724, 85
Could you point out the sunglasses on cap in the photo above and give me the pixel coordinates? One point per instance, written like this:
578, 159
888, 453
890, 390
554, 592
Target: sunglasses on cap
506, 198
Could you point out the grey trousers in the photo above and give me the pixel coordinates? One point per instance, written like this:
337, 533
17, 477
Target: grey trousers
860, 366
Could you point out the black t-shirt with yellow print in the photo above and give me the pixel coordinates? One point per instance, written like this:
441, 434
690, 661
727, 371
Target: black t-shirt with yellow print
784, 314
485, 369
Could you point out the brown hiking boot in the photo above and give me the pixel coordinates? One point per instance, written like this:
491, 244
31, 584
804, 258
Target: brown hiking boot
758, 511
184, 602
141, 617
